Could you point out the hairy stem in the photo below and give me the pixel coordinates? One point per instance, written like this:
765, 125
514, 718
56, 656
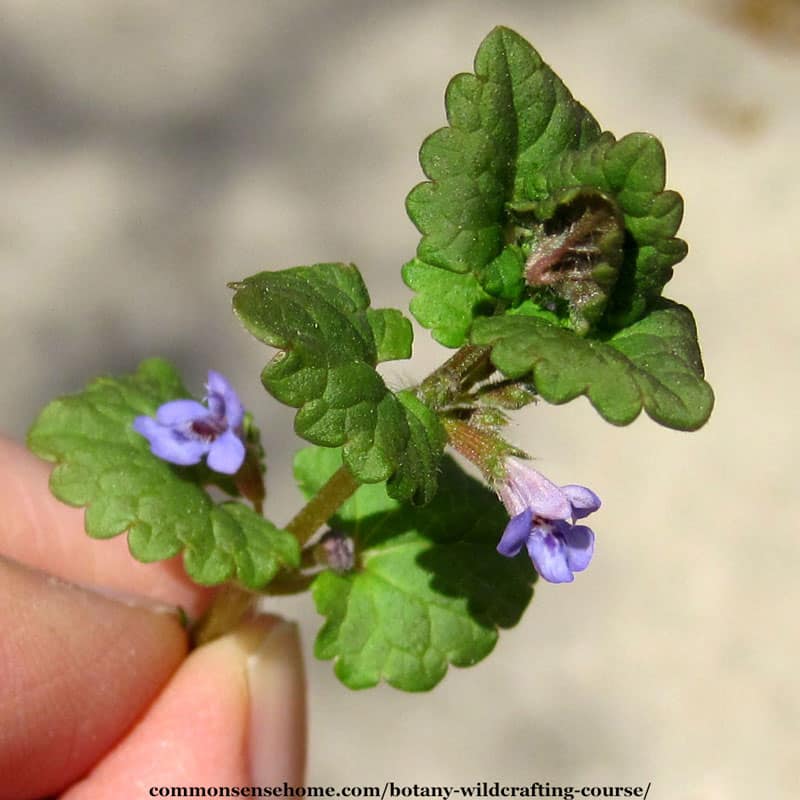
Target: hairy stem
469, 365
483, 448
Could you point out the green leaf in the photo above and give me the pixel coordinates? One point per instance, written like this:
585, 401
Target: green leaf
429, 588
446, 302
510, 119
102, 463
418, 479
504, 276
633, 171
653, 364
497, 205
392, 333
319, 316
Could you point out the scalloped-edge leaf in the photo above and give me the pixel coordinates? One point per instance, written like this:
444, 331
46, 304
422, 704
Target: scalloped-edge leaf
509, 119
392, 333
429, 588
417, 480
653, 364
446, 301
103, 464
331, 340
516, 139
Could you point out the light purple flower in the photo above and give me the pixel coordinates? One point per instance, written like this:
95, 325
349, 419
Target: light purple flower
184, 431
543, 519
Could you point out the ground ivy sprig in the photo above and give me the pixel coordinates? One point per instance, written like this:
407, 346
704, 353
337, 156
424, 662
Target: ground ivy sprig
545, 247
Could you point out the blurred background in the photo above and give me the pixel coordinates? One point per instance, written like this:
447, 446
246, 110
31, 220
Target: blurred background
150, 152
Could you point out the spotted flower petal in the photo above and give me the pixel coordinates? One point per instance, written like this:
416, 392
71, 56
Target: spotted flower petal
548, 554
579, 545
223, 400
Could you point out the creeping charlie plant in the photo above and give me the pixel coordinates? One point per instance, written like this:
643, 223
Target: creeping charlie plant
545, 245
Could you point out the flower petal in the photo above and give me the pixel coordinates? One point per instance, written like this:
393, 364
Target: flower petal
516, 534
217, 383
168, 444
583, 501
178, 412
549, 556
223, 400
226, 453
147, 427
578, 544
526, 488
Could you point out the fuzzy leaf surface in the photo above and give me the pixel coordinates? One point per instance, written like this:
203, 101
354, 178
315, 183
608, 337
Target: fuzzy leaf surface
445, 301
429, 588
392, 333
331, 341
633, 171
103, 464
510, 118
653, 364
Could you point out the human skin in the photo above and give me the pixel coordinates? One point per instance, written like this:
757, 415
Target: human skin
99, 695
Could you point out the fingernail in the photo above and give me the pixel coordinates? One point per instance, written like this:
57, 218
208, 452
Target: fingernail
276, 681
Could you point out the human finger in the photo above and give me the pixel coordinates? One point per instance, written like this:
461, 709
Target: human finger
77, 670
232, 715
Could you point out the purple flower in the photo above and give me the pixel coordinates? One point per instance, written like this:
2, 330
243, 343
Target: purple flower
543, 519
184, 431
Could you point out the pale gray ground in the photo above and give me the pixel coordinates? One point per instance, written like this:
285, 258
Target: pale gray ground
152, 151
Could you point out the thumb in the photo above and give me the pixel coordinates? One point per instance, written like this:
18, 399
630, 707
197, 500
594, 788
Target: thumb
233, 714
